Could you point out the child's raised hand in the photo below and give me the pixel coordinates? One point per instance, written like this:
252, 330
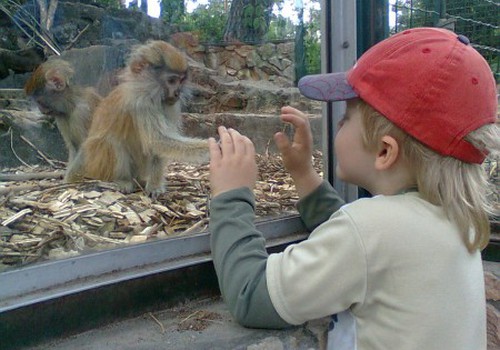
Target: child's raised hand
297, 154
232, 162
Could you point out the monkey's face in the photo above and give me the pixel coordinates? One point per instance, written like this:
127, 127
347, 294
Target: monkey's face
171, 85
51, 103
44, 109
43, 101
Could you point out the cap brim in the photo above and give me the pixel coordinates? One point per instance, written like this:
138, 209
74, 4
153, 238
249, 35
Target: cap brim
326, 87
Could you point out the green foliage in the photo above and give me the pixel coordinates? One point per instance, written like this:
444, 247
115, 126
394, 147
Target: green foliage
280, 28
255, 20
259, 25
420, 16
248, 20
206, 20
312, 44
172, 11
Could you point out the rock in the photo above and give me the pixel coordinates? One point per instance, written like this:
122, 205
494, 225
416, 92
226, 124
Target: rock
493, 327
270, 343
492, 283
19, 61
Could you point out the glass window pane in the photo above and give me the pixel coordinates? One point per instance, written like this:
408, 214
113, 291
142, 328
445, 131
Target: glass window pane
244, 60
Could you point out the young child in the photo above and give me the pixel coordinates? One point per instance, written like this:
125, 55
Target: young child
401, 270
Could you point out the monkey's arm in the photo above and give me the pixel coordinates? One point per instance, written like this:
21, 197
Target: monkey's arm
67, 134
177, 147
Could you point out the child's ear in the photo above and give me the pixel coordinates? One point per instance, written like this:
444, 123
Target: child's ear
54, 80
387, 153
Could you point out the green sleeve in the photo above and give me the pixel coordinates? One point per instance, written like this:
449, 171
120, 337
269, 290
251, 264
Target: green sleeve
319, 205
240, 257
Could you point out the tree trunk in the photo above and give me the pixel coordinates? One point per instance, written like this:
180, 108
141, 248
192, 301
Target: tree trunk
144, 6
47, 13
248, 20
51, 13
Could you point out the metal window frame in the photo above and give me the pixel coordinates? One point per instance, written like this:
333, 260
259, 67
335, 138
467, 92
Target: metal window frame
338, 54
29, 285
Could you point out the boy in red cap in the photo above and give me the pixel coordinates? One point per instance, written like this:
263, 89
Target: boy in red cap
401, 270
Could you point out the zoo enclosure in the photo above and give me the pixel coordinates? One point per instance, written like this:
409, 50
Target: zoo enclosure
273, 230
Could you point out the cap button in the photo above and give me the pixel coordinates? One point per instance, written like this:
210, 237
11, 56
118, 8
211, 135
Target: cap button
463, 39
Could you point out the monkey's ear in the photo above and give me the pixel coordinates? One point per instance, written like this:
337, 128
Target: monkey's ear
138, 66
55, 81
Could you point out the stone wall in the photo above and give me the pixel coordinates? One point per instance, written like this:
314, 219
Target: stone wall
79, 25
271, 62
492, 282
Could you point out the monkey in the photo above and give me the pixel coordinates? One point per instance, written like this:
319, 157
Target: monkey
71, 106
135, 131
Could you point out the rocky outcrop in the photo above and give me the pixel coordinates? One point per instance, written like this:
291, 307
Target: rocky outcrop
19, 61
271, 62
492, 283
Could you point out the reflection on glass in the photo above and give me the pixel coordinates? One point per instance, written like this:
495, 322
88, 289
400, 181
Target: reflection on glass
244, 60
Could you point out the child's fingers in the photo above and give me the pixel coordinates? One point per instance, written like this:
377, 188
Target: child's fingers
249, 147
282, 141
301, 125
238, 143
291, 110
298, 122
214, 150
242, 144
295, 117
226, 141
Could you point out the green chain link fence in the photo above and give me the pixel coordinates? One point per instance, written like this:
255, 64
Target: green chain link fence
479, 20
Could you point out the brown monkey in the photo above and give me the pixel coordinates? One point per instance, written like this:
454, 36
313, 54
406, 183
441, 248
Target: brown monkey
135, 129
72, 106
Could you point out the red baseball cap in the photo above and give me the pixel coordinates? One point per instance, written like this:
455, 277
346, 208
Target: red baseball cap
430, 82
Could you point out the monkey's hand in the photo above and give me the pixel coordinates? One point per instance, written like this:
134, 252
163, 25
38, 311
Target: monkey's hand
232, 164
155, 184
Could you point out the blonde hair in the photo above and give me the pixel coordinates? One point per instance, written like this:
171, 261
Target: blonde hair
461, 189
